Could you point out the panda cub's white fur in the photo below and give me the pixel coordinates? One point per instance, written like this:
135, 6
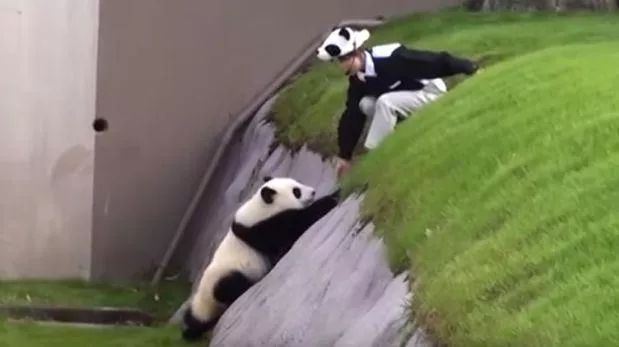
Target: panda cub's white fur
231, 254
264, 228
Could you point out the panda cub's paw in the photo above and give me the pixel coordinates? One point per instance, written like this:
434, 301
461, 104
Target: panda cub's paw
336, 194
194, 329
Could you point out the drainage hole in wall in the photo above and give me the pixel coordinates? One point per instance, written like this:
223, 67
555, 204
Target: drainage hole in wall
100, 125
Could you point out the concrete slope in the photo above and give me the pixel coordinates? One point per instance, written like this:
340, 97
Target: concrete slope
334, 287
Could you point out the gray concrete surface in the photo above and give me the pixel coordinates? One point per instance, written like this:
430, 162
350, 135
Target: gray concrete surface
334, 287
48, 56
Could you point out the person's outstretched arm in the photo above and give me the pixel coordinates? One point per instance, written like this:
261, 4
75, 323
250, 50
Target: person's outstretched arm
351, 123
422, 64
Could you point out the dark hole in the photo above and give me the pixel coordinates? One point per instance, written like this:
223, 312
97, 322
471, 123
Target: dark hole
100, 124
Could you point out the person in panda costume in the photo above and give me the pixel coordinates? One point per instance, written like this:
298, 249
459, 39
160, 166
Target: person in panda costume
386, 83
263, 230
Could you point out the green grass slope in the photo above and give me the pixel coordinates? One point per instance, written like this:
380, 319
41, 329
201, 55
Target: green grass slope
500, 194
161, 303
31, 335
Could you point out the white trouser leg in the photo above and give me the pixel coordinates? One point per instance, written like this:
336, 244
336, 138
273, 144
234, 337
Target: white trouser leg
385, 110
367, 105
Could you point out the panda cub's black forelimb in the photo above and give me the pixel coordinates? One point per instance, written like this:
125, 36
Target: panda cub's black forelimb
315, 211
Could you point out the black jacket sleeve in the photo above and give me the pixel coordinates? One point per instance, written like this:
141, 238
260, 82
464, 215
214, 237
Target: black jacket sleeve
420, 64
352, 120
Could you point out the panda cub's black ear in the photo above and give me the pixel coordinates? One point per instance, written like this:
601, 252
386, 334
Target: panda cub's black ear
267, 178
267, 194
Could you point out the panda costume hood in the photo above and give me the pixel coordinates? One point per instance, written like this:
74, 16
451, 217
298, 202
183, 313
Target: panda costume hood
340, 42
388, 67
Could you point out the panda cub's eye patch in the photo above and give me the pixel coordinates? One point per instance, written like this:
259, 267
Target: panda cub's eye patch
297, 192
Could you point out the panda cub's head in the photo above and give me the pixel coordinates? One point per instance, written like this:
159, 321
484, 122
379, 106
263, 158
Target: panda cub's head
275, 195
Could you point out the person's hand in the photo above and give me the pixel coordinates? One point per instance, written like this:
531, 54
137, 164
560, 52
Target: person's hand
342, 167
473, 69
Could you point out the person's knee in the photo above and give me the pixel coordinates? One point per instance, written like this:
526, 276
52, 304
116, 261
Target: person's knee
366, 105
439, 85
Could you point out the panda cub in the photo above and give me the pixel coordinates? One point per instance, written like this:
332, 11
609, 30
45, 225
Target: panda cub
264, 228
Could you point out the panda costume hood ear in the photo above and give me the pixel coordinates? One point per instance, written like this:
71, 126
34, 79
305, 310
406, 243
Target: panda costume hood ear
340, 42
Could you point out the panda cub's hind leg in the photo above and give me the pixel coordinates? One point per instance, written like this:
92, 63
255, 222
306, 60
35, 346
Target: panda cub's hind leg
227, 289
231, 286
195, 328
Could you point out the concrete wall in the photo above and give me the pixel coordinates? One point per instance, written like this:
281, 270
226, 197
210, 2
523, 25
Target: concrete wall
170, 75
47, 80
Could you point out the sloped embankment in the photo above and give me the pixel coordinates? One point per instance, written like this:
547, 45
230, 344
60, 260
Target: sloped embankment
495, 262
334, 287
